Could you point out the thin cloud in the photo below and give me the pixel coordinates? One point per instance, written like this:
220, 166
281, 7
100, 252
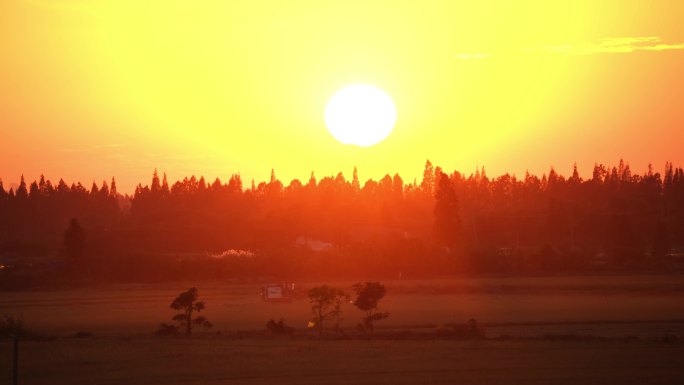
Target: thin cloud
601, 46
610, 45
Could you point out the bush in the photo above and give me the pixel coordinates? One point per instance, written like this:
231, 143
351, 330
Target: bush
11, 326
278, 327
166, 330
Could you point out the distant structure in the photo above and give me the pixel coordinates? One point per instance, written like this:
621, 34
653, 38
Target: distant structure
278, 292
313, 244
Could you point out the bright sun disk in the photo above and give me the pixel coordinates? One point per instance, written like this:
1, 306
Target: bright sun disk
361, 115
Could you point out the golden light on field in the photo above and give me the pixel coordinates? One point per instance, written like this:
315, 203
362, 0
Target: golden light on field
360, 114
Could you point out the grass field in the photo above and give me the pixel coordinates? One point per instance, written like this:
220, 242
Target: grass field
561, 330
135, 309
285, 361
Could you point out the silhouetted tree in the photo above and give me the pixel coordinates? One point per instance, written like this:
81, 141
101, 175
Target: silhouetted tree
278, 327
74, 242
187, 303
34, 190
156, 185
112, 188
165, 186
368, 294
356, 186
340, 298
322, 299
447, 221
22, 191
3, 193
428, 183
235, 184
382, 227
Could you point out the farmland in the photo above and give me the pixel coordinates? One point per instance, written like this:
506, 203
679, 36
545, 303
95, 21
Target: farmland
595, 329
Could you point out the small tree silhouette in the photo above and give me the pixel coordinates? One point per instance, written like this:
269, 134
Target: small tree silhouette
187, 303
340, 298
278, 327
368, 294
74, 243
321, 299
326, 304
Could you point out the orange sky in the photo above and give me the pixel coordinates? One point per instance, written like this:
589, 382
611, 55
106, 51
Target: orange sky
91, 89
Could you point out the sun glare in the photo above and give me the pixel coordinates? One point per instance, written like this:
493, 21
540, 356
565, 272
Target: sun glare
361, 115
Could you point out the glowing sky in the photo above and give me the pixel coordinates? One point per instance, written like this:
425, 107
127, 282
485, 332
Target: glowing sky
91, 89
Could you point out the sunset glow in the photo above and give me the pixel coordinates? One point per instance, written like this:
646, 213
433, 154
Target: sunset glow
341, 192
103, 88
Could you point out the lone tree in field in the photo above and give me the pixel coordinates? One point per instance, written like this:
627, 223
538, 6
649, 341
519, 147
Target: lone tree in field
340, 298
326, 304
187, 303
321, 299
368, 294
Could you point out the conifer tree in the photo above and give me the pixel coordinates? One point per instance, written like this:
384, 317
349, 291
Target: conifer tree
155, 188
34, 190
62, 187
428, 183
356, 186
104, 190
112, 188
397, 187
575, 174
165, 186
42, 185
22, 191
235, 183
94, 190
447, 220
3, 193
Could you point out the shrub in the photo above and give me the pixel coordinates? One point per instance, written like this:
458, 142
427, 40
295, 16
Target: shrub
11, 326
278, 327
166, 330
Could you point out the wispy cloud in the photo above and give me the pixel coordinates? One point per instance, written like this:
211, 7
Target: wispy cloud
609, 45
601, 46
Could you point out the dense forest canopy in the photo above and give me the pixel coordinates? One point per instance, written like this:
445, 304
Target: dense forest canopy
445, 222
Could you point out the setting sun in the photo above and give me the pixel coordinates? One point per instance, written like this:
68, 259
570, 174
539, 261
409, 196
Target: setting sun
350, 192
361, 115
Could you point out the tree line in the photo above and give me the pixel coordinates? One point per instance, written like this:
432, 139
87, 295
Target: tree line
326, 304
339, 226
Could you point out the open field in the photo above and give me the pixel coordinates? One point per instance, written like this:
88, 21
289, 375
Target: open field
563, 330
136, 309
286, 361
